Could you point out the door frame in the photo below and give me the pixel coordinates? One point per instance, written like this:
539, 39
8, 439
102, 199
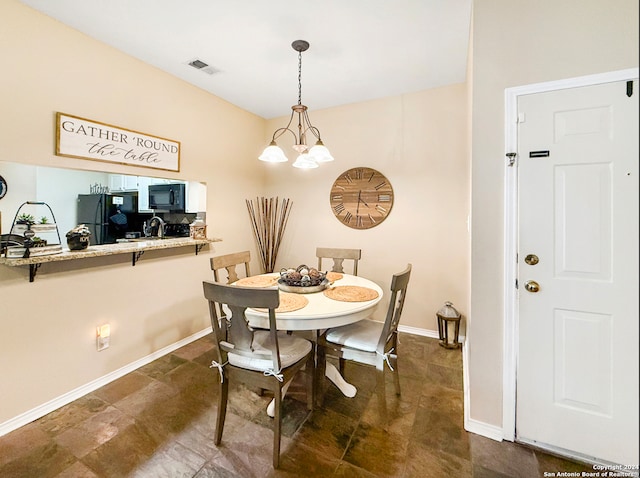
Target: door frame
510, 311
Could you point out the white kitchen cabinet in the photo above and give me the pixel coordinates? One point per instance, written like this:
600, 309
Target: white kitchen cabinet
143, 194
196, 197
122, 182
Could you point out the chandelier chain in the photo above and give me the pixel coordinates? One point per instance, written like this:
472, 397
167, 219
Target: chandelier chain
299, 77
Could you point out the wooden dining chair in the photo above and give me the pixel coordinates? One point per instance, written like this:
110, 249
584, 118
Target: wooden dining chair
369, 342
338, 256
266, 359
230, 262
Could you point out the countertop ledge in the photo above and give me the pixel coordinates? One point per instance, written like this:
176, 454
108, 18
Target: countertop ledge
110, 249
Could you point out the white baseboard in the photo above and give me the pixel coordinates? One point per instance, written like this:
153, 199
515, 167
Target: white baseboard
50, 406
416, 331
424, 332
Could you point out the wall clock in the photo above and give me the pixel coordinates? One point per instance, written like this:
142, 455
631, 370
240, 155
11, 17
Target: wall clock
361, 198
3, 187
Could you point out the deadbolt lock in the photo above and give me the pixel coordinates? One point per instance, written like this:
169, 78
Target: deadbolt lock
532, 286
531, 259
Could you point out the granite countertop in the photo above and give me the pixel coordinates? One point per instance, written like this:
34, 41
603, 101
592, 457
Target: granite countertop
131, 246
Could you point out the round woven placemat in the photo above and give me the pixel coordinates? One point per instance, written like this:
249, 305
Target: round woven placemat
290, 302
334, 276
257, 281
351, 293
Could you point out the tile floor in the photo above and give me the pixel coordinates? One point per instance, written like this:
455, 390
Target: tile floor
159, 421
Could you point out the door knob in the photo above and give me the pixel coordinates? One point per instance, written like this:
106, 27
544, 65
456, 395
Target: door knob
532, 286
531, 259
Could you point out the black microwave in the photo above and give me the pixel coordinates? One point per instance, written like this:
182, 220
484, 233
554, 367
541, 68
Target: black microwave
167, 197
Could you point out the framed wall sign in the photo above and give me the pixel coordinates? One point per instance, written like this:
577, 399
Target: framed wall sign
87, 139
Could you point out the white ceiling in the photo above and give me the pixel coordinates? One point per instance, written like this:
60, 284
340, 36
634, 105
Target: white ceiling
360, 49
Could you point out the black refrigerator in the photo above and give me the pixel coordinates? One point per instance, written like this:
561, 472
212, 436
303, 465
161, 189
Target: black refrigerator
108, 216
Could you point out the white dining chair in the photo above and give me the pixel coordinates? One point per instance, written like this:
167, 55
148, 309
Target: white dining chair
266, 359
369, 342
338, 256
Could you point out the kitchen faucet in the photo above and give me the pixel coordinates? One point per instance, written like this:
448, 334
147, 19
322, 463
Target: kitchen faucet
160, 227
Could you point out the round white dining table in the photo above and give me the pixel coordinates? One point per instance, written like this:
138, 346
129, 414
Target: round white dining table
321, 312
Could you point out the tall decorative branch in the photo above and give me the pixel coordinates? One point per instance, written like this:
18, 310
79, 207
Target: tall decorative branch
269, 218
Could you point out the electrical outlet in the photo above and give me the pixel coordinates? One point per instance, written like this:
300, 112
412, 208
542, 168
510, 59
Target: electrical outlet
103, 334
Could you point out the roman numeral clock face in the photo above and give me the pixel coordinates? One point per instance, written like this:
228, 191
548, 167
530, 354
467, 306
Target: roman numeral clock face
361, 198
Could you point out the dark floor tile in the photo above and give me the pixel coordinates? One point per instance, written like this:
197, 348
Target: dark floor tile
441, 431
401, 408
377, 451
246, 402
123, 454
347, 470
196, 348
71, 414
301, 461
294, 413
94, 431
482, 472
436, 354
444, 376
412, 356
77, 470
165, 419
326, 432
442, 400
42, 462
200, 433
246, 450
172, 460
152, 394
427, 462
504, 457
555, 464
19, 443
160, 367
193, 378
333, 399
118, 389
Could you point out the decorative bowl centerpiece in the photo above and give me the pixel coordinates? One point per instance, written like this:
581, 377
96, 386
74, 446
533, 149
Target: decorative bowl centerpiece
302, 280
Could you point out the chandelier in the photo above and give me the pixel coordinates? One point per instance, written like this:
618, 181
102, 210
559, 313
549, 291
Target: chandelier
308, 157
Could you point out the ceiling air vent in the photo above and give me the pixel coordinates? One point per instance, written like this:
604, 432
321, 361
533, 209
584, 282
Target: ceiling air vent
202, 66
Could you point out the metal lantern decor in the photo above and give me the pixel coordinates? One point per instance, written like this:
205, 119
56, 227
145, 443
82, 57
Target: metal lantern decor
448, 315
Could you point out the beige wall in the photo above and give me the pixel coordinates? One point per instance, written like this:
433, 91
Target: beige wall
47, 327
514, 44
418, 142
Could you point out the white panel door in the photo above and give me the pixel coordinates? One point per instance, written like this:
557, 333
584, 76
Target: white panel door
577, 372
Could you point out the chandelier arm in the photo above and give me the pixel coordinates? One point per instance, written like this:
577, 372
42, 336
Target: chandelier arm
282, 131
276, 135
310, 127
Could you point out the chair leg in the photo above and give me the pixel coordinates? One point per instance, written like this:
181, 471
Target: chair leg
382, 398
321, 368
222, 410
396, 375
277, 428
311, 380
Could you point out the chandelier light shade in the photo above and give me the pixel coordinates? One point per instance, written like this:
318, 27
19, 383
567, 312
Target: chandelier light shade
309, 157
